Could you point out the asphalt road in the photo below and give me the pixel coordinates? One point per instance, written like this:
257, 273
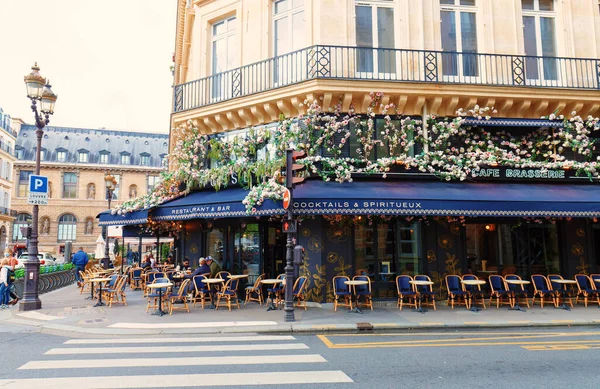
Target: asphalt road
508, 358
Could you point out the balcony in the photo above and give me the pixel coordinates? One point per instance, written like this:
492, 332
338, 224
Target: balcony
391, 65
6, 147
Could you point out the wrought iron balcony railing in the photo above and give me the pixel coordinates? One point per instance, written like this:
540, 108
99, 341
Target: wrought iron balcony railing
6, 147
392, 65
8, 212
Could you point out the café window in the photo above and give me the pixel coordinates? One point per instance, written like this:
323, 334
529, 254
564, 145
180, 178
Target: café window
22, 220
67, 227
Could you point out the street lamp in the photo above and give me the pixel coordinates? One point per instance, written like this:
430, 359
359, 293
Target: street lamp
38, 89
111, 185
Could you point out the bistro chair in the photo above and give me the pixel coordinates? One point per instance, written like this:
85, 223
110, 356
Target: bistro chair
341, 290
278, 289
181, 296
229, 292
154, 295
406, 290
255, 289
541, 289
135, 278
298, 293
474, 291
596, 283
455, 291
586, 289
561, 290
149, 278
85, 282
499, 291
112, 294
201, 290
223, 275
518, 291
425, 292
363, 290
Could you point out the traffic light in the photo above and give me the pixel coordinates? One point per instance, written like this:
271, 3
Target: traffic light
289, 226
293, 170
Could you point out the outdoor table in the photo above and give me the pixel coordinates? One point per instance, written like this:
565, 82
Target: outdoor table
159, 285
473, 283
563, 292
210, 282
99, 280
420, 283
271, 281
517, 282
356, 309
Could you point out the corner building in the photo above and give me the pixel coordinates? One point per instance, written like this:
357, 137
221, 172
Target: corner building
472, 194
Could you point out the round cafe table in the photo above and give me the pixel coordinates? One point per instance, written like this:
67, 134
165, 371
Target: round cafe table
159, 285
564, 292
473, 283
517, 282
271, 281
100, 281
356, 309
420, 283
211, 282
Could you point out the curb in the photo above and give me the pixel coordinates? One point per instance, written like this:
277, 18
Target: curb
61, 329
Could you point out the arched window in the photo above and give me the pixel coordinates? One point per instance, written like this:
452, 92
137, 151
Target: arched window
67, 227
22, 220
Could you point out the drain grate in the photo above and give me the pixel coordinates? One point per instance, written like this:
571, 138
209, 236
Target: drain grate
364, 326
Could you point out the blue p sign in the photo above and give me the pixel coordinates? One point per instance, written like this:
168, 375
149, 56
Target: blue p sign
38, 184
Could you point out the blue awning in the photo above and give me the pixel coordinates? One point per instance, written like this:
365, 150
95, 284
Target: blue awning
136, 217
436, 198
213, 204
510, 122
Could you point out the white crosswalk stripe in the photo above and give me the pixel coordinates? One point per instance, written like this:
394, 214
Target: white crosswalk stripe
163, 362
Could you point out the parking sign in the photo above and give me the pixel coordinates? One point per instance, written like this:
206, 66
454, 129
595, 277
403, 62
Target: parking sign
38, 190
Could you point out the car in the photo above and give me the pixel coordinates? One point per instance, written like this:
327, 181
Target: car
45, 259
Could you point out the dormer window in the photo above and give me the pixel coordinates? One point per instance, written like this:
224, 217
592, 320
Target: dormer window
164, 160
20, 153
125, 159
104, 157
61, 155
43, 154
84, 156
145, 159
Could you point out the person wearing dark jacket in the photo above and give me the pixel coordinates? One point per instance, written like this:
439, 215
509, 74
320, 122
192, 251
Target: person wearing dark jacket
202, 269
80, 259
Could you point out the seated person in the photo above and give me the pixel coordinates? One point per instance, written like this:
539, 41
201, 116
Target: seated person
170, 260
202, 269
146, 264
215, 268
185, 266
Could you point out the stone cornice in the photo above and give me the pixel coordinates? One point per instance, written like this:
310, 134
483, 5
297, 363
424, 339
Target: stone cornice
100, 168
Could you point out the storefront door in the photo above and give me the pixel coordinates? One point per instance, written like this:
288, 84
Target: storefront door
274, 242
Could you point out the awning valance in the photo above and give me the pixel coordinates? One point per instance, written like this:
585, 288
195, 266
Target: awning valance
436, 198
136, 217
213, 204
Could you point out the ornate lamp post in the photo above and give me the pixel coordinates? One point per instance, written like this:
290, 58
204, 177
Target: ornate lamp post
37, 90
111, 185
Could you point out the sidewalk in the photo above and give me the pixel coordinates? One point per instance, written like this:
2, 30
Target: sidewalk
67, 311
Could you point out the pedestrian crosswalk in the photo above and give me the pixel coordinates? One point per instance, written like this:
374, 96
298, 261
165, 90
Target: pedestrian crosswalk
177, 362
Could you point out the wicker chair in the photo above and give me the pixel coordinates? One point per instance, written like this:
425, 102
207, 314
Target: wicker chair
455, 291
499, 290
255, 289
180, 296
298, 293
425, 292
363, 290
541, 289
341, 290
229, 292
474, 291
406, 290
201, 290
518, 291
586, 289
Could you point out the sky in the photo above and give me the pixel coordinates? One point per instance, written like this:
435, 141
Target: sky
108, 61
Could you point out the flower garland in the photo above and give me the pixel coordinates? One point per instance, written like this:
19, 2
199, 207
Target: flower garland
451, 150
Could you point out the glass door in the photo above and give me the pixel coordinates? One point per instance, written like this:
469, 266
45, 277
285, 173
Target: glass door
247, 252
375, 29
459, 40
224, 57
375, 256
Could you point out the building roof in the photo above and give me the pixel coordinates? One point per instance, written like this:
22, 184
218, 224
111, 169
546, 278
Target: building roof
75, 141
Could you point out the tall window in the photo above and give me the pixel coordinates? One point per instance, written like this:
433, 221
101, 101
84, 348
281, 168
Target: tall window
224, 55
459, 38
125, 159
539, 34
375, 28
20, 153
289, 34
61, 156
104, 158
67, 227
43, 154
23, 182
22, 220
69, 186
8, 172
152, 181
